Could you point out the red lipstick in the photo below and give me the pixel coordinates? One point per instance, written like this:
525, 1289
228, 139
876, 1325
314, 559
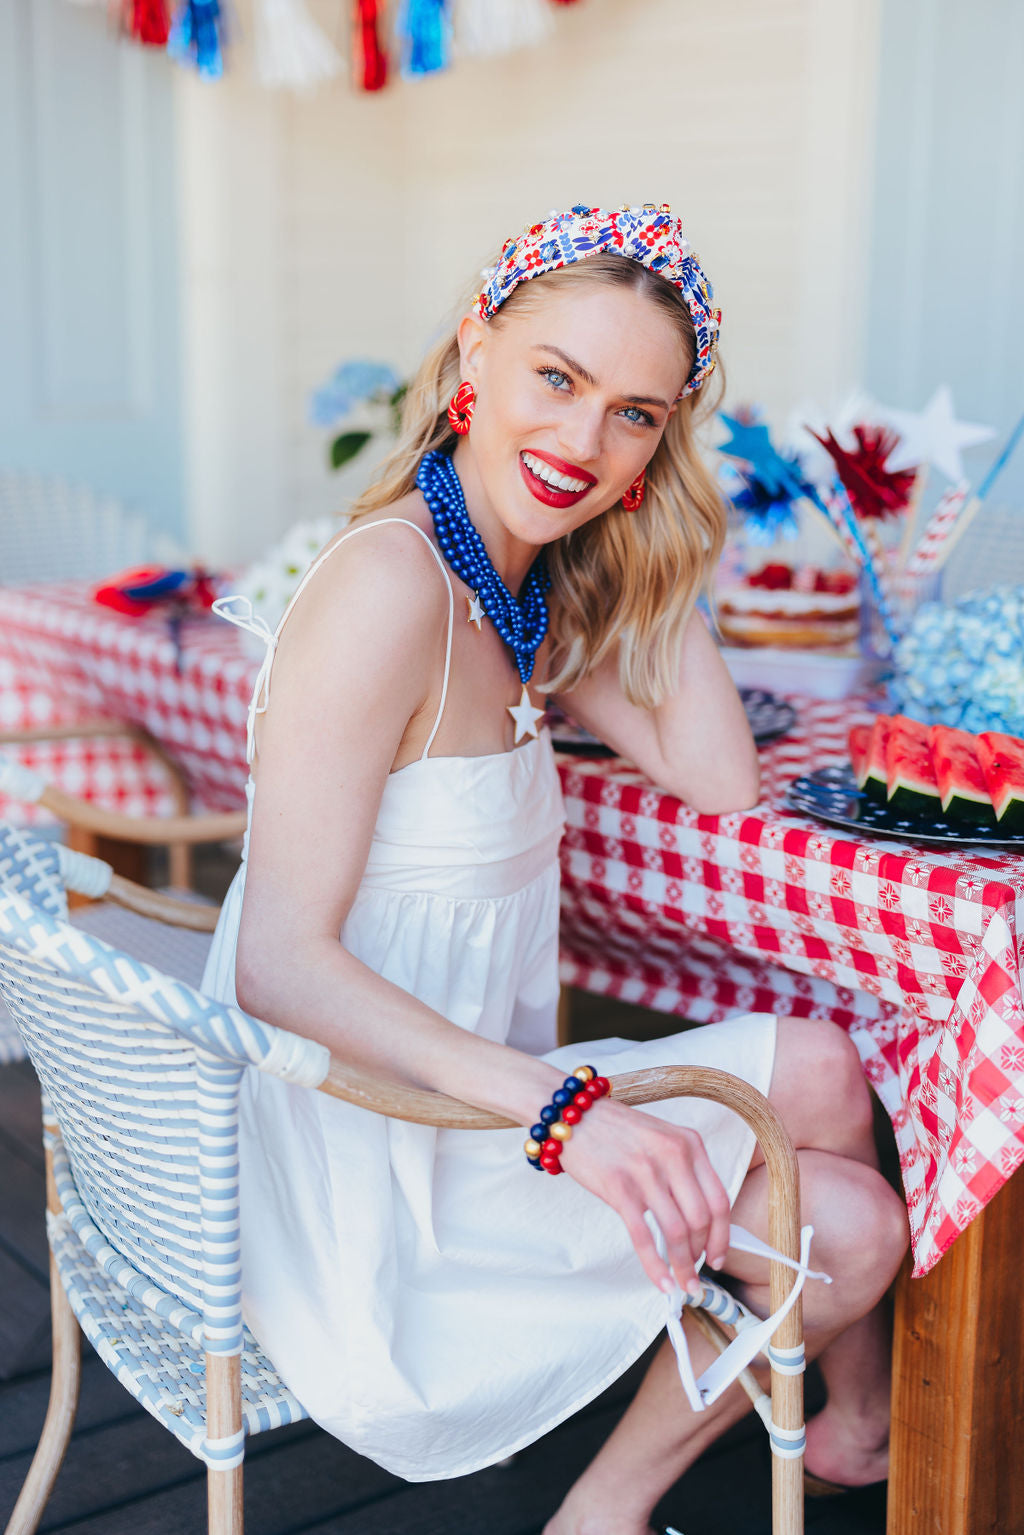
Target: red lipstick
552, 495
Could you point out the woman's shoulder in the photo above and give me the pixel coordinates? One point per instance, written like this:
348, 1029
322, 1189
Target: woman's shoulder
384, 562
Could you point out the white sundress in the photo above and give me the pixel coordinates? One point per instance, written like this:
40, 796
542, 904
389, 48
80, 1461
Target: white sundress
431, 1300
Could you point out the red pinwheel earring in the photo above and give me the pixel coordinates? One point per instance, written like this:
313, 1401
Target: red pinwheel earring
460, 411
633, 498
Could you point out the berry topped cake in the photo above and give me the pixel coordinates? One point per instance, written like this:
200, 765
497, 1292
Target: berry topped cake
803, 608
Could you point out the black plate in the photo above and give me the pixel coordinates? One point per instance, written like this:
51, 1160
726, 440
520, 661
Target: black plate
767, 716
831, 794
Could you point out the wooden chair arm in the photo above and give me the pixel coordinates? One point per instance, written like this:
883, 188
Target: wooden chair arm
83, 729
200, 918
79, 730
423, 1107
149, 829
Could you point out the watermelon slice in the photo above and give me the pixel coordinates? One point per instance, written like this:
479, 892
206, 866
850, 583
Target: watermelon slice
962, 788
859, 740
874, 768
1002, 762
911, 785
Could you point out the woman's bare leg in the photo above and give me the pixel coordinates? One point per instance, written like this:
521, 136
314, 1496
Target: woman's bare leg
860, 1235
848, 1440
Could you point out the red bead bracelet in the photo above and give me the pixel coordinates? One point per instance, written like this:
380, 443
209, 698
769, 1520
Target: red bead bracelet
567, 1107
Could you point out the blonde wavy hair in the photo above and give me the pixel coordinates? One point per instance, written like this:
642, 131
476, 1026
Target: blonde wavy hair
625, 579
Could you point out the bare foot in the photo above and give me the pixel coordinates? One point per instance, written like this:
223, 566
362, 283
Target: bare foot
853, 1452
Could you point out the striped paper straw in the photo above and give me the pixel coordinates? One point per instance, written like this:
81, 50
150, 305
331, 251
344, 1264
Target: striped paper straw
936, 530
836, 506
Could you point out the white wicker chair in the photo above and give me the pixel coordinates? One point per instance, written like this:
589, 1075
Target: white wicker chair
140, 1077
171, 938
51, 530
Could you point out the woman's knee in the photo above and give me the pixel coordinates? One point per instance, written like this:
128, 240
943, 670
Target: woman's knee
860, 1223
819, 1088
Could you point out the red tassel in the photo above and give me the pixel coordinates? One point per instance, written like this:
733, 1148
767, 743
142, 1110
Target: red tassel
369, 58
148, 22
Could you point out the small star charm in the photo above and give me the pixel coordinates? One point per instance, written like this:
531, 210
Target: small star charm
476, 612
525, 716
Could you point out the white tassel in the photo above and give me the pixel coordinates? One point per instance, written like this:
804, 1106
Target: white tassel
501, 26
292, 53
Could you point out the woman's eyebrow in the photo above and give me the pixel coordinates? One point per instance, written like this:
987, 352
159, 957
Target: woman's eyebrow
588, 378
570, 362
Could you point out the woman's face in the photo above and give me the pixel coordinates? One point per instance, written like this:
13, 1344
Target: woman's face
573, 393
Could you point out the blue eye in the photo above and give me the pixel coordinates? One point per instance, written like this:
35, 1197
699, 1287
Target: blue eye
637, 417
556, 378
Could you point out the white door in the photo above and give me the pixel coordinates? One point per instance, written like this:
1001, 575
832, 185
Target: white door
89, 354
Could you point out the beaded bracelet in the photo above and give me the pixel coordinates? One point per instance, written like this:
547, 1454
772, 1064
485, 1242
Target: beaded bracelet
567, 1107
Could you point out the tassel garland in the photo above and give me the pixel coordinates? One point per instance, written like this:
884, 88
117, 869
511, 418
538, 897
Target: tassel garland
291, 50
196, 37
425, 31
369, 60
487, 27
148, 22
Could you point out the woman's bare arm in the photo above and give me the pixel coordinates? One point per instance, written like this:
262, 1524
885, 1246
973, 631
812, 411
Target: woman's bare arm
696, 744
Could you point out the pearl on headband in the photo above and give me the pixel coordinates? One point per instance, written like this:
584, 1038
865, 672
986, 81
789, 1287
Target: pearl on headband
650, 235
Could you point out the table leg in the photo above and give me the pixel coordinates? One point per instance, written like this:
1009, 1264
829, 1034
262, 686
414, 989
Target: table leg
958, 1383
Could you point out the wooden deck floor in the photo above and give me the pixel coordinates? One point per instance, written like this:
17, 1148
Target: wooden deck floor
124, 1475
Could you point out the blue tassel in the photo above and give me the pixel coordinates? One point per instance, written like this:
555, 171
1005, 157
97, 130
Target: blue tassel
425, 28
197, 37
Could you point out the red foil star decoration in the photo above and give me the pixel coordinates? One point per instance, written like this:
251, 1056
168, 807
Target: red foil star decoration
873, 490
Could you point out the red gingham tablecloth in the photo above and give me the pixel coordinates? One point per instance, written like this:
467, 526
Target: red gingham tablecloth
917, 953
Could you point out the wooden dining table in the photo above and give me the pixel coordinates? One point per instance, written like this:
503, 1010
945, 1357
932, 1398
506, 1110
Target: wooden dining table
916, 951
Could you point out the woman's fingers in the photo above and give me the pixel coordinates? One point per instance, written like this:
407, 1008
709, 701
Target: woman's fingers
683, 1236
655, 1267
716, 1238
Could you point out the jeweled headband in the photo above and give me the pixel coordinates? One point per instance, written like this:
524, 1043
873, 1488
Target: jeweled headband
650, 235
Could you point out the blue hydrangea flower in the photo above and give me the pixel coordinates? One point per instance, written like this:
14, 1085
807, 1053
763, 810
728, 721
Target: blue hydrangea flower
963, 665
354, 381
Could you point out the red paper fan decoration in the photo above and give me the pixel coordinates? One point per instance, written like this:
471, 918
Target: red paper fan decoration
368, 57
874, 491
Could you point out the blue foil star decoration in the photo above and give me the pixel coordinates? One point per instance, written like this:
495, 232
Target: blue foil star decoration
766, 514
770, 483
750, 442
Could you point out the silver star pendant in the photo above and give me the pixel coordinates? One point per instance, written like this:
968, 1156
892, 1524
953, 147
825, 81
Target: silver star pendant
476, 612
525, 716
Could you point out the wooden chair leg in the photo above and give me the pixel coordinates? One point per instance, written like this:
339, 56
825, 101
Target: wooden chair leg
60, 1414
563, 1025
179, 865
224, 1421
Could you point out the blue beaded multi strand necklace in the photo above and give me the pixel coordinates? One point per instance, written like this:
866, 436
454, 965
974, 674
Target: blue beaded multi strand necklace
522, 624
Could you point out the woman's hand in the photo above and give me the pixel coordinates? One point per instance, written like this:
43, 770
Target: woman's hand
696, 743
635, 1163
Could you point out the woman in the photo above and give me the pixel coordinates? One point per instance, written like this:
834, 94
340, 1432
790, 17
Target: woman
429, 1300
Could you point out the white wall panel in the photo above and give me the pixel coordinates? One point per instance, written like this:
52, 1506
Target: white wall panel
946, 298
89, 385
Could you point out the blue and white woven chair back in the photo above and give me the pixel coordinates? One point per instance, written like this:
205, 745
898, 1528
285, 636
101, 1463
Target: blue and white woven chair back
54, 531
141, 1073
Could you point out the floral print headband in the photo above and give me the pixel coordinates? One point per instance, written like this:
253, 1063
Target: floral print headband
649, 234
